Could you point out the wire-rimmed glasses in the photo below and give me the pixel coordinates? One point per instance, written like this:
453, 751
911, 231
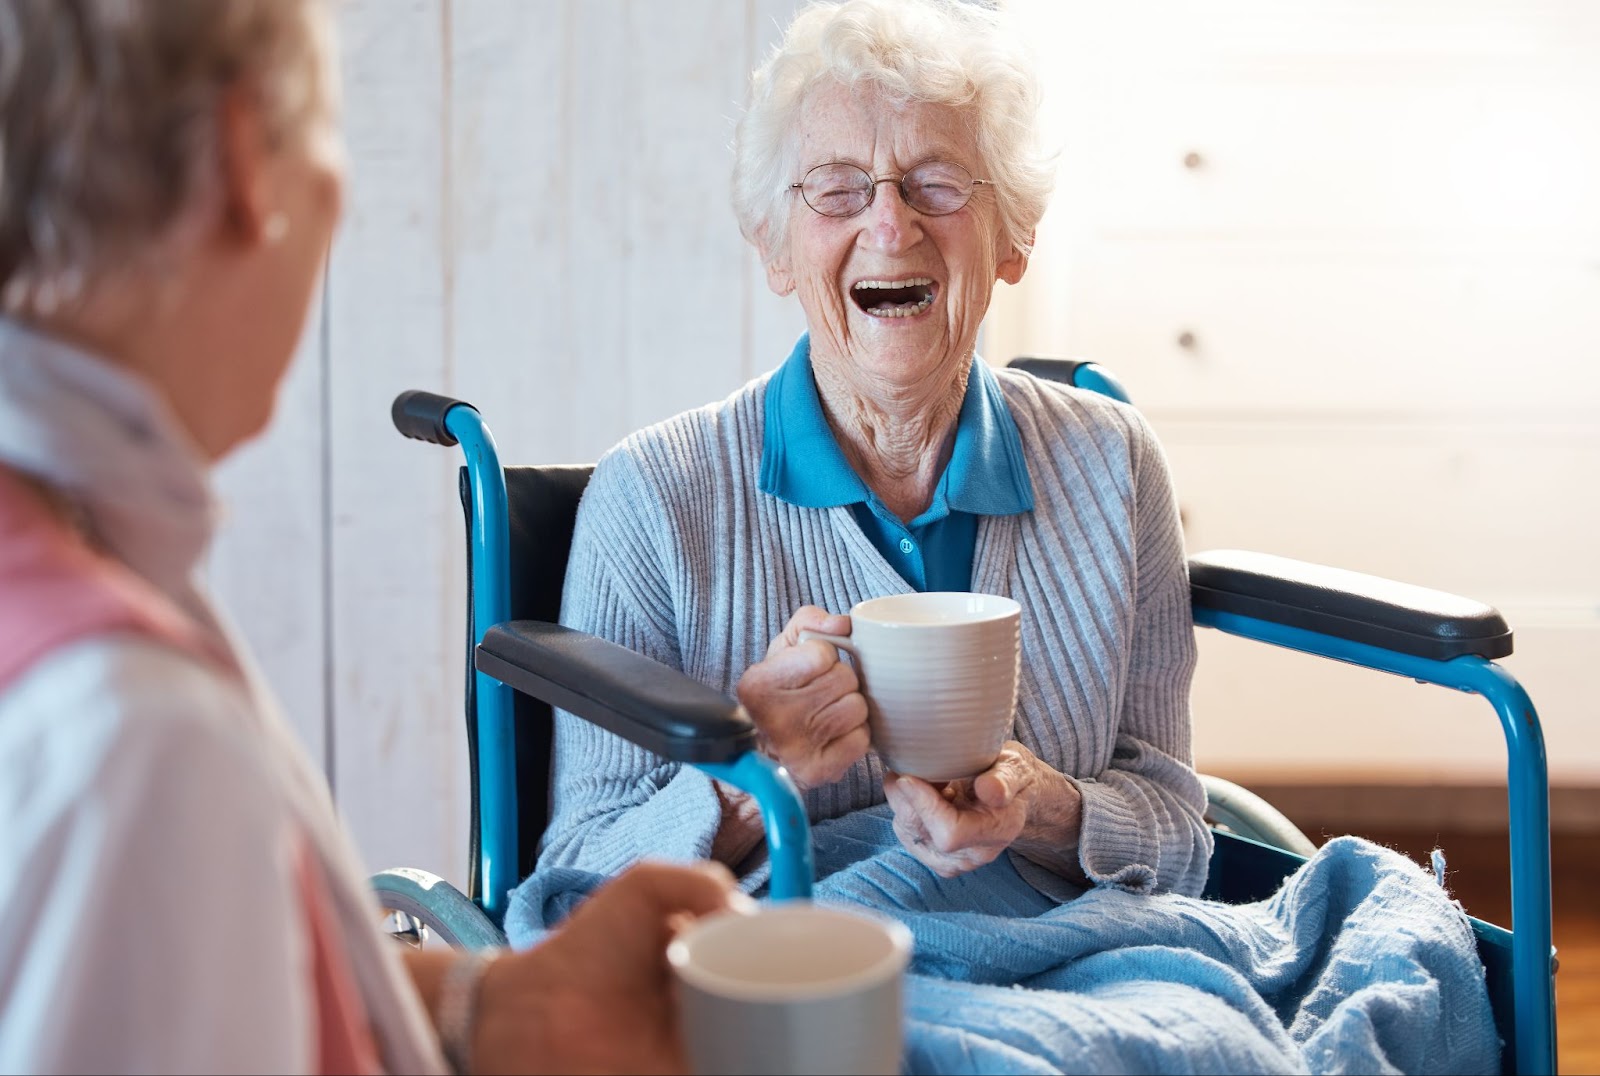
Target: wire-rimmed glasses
933, 188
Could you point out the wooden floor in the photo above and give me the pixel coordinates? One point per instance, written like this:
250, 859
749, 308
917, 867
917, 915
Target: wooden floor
1477, 876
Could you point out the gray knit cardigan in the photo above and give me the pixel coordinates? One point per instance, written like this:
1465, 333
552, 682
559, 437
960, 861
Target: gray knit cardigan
678, 555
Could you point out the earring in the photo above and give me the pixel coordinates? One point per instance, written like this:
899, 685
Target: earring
275, 227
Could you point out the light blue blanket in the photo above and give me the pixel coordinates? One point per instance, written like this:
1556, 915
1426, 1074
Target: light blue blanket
1360, 963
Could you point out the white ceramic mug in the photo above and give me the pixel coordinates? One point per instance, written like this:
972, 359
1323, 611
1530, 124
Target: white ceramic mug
793, 988
939, 671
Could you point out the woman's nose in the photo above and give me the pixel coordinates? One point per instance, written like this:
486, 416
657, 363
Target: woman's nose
889, 225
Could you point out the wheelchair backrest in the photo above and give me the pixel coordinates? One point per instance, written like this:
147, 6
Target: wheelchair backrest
542, 507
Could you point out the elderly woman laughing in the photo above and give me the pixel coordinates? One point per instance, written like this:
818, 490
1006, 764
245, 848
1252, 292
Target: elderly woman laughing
886, 172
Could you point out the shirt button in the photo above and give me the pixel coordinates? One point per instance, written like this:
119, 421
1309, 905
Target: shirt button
906, 546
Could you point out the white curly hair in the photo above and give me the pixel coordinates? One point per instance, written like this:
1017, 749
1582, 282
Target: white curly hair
964, 55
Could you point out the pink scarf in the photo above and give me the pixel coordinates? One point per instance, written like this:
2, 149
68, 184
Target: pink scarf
54, 591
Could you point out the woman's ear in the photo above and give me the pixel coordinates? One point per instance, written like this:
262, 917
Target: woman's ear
242, 154
779, 278
1013, 265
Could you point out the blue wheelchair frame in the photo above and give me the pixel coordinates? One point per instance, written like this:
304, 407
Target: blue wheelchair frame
1524, 982
782, 811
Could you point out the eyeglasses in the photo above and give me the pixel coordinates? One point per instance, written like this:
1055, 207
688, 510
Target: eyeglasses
933, 188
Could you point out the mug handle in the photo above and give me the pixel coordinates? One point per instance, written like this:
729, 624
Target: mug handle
841, 641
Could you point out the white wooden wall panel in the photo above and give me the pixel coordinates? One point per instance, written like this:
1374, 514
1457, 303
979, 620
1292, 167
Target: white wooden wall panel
267, 568
602, 179
772, 323
510, 180
601, 283
685, 280
398, 764
538, 223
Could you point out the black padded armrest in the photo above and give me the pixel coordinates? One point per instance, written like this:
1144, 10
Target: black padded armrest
639, 699
1347, 605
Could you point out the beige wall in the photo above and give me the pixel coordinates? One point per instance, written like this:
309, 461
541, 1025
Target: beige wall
1347, 258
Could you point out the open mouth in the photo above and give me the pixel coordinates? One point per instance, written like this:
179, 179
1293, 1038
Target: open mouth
894, 298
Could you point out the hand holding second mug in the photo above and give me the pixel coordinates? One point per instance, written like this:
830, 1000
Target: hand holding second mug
597, 994
966, 823
807, 702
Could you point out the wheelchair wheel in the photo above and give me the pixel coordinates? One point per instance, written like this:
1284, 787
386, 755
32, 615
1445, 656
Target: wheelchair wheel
420, 907
1242, 812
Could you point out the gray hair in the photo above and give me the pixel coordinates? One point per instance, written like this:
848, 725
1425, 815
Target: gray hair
108, 141
962, 55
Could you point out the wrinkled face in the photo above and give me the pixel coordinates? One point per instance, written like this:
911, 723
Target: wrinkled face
893, 298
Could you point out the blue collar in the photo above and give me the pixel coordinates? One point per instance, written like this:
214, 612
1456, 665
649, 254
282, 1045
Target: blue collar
802, 463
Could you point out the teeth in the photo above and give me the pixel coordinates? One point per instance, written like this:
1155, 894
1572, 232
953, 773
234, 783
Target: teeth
914, 282
889, 310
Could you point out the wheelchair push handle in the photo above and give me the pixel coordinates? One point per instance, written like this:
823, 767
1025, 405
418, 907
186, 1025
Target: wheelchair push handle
421, 415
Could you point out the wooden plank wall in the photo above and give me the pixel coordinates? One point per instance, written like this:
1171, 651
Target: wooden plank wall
537, 222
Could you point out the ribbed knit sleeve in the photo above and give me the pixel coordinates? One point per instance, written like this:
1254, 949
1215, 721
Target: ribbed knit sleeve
1142, 815
616, 803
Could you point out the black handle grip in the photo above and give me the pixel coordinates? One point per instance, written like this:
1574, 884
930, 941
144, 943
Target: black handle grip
1347, 605
420, 415
639, 699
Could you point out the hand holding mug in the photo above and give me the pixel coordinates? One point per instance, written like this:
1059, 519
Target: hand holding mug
806, 702
595, 996
1019, 803
966, 823
793, 988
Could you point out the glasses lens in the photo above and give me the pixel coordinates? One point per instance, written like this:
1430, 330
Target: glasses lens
837, 190
937, 188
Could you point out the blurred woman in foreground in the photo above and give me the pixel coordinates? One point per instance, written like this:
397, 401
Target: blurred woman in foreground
177, 891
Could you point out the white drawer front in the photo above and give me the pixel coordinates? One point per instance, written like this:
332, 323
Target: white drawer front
1509, 517
1492, 159
1249, 328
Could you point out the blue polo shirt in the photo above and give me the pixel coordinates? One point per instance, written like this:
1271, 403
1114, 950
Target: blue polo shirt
802, 463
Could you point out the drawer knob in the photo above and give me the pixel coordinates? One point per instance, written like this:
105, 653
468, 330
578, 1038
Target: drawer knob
1187, 341
1192, 160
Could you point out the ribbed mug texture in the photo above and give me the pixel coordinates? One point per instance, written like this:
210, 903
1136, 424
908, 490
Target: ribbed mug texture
939, 672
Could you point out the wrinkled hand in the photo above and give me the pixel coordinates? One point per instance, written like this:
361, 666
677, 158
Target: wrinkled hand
964, 824
597, 995
807, 702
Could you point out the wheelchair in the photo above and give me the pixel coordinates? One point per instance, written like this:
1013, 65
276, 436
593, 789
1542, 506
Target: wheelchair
521, 664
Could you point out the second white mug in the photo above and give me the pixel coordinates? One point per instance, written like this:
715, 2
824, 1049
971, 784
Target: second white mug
793, 988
